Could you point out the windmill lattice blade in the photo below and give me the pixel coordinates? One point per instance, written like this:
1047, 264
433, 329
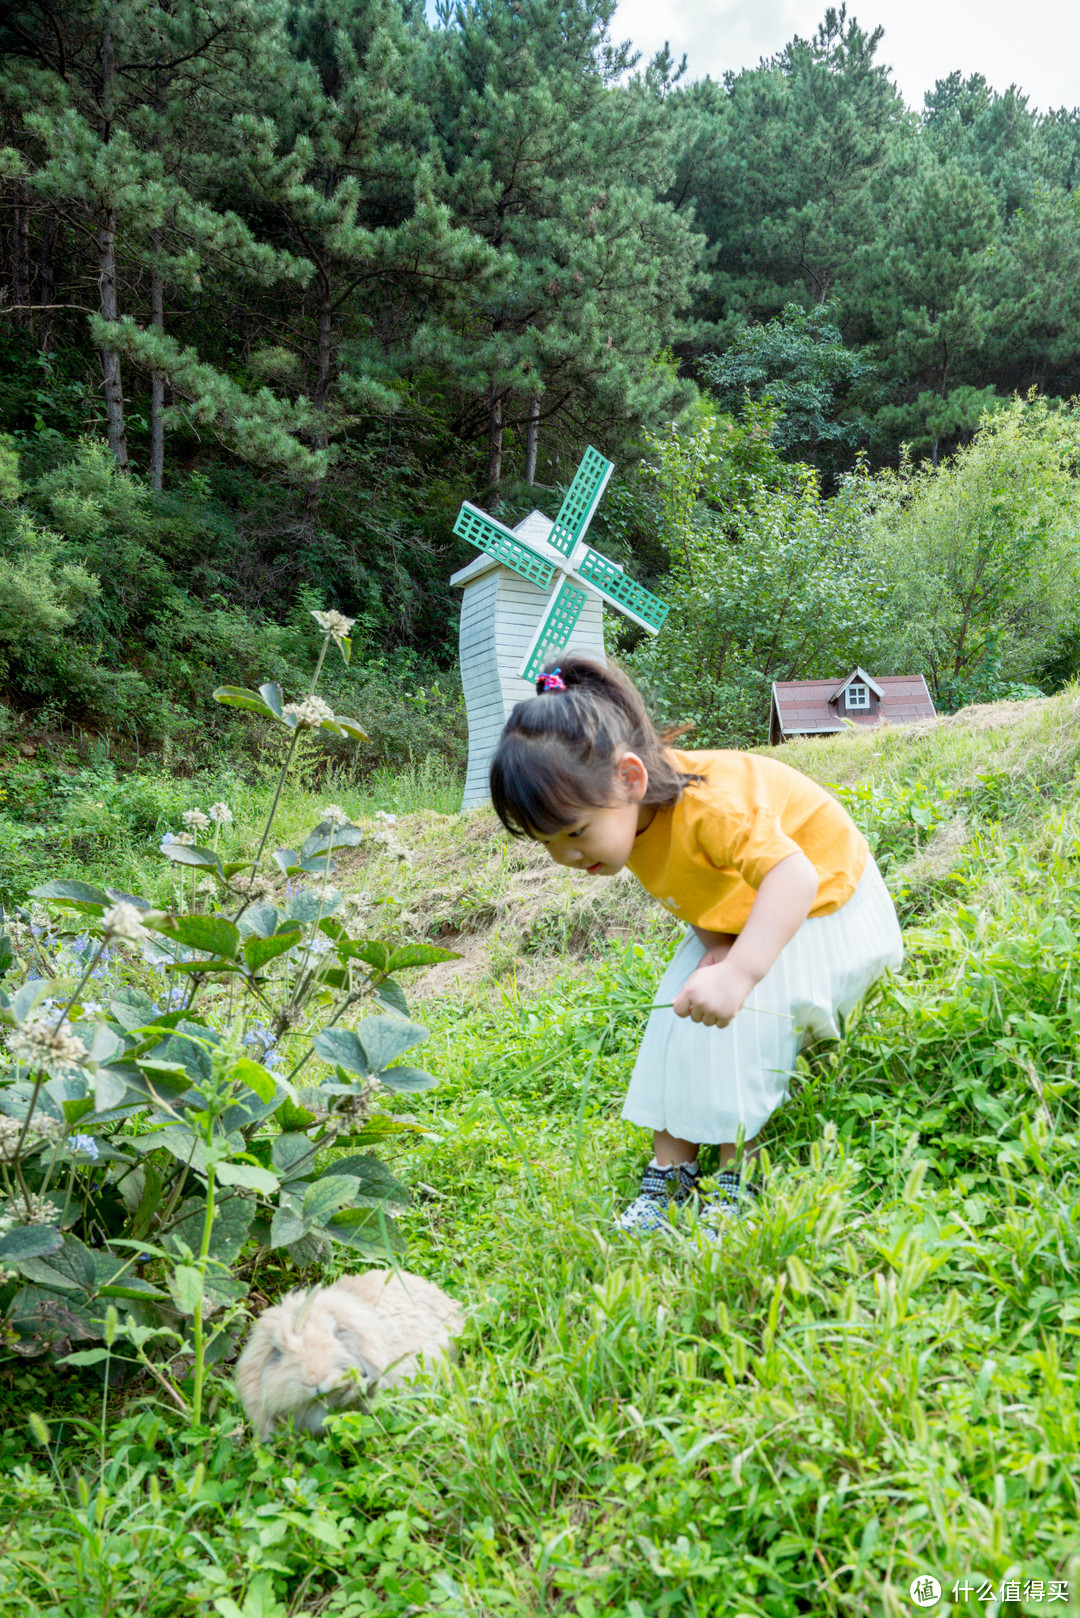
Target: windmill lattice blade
487, 535
632, 599
582, 498
556, 627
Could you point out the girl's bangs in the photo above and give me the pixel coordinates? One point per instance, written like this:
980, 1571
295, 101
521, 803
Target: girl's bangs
537, 790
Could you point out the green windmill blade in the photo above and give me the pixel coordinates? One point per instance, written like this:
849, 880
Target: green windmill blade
555, 629
630, 598
488, 535
582, 499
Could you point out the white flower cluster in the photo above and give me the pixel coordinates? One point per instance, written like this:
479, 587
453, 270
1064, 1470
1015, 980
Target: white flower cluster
221, 814
123, 921
386, 818
251, 887
308, 714
40, 1129
335, 815
39, 1044
195, 819
333, 623
40, 1211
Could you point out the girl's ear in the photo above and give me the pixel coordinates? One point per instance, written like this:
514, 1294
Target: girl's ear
632, 776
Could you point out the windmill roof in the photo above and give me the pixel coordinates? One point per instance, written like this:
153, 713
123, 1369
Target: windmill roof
807, 707
533, 530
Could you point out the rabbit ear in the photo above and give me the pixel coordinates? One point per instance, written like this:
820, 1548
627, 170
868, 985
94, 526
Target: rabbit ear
351, 1344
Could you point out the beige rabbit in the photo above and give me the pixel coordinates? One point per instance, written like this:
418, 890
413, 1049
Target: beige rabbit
325, 1349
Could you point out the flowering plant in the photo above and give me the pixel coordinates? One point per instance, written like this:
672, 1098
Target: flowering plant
145, 1138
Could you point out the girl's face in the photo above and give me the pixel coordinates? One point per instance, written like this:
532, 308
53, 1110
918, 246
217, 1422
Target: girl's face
601, 840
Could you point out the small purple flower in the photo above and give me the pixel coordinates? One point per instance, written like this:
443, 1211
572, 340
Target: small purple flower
86, 1144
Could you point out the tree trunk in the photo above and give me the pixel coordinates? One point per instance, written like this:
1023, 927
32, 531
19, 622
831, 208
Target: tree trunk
532, 437
50, 230
110, 360
20, 255
495, 437
324, 377
157, 380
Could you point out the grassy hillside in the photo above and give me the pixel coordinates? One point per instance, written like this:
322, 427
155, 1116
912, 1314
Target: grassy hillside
874, 1380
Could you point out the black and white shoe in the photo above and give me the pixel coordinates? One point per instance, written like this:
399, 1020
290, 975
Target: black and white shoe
661, 1190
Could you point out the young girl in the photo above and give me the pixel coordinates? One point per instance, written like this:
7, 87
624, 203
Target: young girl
788, 919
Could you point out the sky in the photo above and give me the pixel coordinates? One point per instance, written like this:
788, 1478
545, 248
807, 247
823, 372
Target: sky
1034, 44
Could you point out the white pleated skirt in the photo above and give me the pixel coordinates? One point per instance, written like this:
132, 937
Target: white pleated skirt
703, 1084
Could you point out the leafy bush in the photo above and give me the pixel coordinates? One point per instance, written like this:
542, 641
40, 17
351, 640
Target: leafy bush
163, 1129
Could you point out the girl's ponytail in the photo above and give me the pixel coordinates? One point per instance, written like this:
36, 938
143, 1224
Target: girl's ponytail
559, 749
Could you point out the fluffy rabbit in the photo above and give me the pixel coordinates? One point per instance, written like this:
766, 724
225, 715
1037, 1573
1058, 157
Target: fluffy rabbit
325, 1349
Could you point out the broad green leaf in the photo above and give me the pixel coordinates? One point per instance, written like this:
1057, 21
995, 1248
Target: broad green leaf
214, 934
236, 696
69, 1268
109, 1090
29, 1241
374, 1177
335, 977
286, 860
133, 1289
259, 951
256, 1077
324, 1197
320, 841
86, 1356
187, 854
406, 1078
292, 1155
82, 896
186, 1286
307, 907
219, 968
288, 1224
105, 1045
260, 919
233, 1218
342, 1047
419, 955
131, 1008
386, 1038
25, 999
374, 952
7, 954
292, 1114
248, 1177
389, 993
273, 696
368, 1230
351, 727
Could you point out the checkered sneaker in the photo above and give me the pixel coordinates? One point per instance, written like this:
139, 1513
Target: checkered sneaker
726, 1199
661, 1189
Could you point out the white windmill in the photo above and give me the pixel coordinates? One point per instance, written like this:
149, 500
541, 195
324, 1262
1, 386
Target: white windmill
537, 590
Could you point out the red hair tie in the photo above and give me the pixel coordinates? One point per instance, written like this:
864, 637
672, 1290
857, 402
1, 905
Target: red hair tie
551, 682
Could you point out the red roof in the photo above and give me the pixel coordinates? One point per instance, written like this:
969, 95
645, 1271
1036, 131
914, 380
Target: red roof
803, 707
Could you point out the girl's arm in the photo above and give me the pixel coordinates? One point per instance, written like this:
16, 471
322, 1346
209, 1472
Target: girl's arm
716, 991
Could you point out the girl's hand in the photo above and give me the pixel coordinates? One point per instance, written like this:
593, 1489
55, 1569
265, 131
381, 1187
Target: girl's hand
713, 994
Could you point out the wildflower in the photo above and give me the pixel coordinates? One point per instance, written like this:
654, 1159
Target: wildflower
10, 1130
39, 1211
335, 815
386, 818
195, 819
206, 884
333, 623
182, 837
309, 714
84, 1143
221, 814
123, 921
39, 1044
251, 887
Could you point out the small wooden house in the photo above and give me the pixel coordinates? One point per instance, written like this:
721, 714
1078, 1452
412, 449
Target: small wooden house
818, 707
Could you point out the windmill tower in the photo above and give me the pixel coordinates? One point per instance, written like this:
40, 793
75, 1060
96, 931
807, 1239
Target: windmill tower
534, 591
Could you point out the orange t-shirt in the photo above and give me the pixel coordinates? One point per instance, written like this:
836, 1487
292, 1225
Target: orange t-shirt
705, 856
